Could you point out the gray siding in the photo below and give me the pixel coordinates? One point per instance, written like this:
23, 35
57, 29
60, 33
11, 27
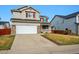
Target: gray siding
57, 23
70, 24
78, 29
61, 23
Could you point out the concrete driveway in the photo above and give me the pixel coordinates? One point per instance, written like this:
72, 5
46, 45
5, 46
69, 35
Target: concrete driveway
31, 44
25, 44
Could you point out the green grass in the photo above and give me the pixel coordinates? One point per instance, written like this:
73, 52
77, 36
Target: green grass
6, 42
62, 39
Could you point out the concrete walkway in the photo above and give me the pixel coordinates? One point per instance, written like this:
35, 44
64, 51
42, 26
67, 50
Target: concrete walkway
26, 44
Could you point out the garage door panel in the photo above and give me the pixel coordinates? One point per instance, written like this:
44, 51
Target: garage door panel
26, 29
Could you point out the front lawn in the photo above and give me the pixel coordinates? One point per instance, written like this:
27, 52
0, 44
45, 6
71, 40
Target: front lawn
6, 42
62, 39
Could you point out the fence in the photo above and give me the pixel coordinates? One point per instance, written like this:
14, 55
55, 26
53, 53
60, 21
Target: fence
61, 31
5, 31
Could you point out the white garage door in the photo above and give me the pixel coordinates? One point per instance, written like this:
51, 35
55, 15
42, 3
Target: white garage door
26, 29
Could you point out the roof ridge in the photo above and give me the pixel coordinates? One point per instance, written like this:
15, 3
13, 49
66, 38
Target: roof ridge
18, 9
21, 7
69, 15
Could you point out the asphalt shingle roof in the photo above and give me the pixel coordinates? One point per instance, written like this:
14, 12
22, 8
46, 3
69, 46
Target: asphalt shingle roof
66, 16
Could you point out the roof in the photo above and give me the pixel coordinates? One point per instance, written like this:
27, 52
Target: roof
4, 22
43, 16
72, 15
67, 16
22, 7
18, 9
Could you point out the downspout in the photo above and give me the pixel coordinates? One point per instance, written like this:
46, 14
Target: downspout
77, 25
76, 29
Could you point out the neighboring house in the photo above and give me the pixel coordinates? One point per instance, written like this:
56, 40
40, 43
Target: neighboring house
70, 22
4, 25
27, 20
5, 28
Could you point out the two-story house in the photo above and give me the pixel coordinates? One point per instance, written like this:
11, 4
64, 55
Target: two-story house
70, 22
27, 20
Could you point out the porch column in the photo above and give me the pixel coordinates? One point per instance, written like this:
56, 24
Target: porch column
41, 28
13, 30
49, 29
38, 29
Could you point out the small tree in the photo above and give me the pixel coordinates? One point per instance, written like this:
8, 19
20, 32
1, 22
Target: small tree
66, 31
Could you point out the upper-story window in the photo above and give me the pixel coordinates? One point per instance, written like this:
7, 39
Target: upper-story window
30, 14
43, 19
26, 14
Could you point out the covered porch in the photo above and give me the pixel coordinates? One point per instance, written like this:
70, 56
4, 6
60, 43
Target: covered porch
45, 27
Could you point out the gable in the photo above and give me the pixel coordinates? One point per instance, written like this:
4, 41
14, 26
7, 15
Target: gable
56, 17
27, 8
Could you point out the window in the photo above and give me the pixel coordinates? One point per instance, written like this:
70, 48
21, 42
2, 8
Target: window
26, 14
30, 14
44, 19
53, 27
33, 14
45, 26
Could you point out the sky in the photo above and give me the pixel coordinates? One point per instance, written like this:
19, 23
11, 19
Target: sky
47, 10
